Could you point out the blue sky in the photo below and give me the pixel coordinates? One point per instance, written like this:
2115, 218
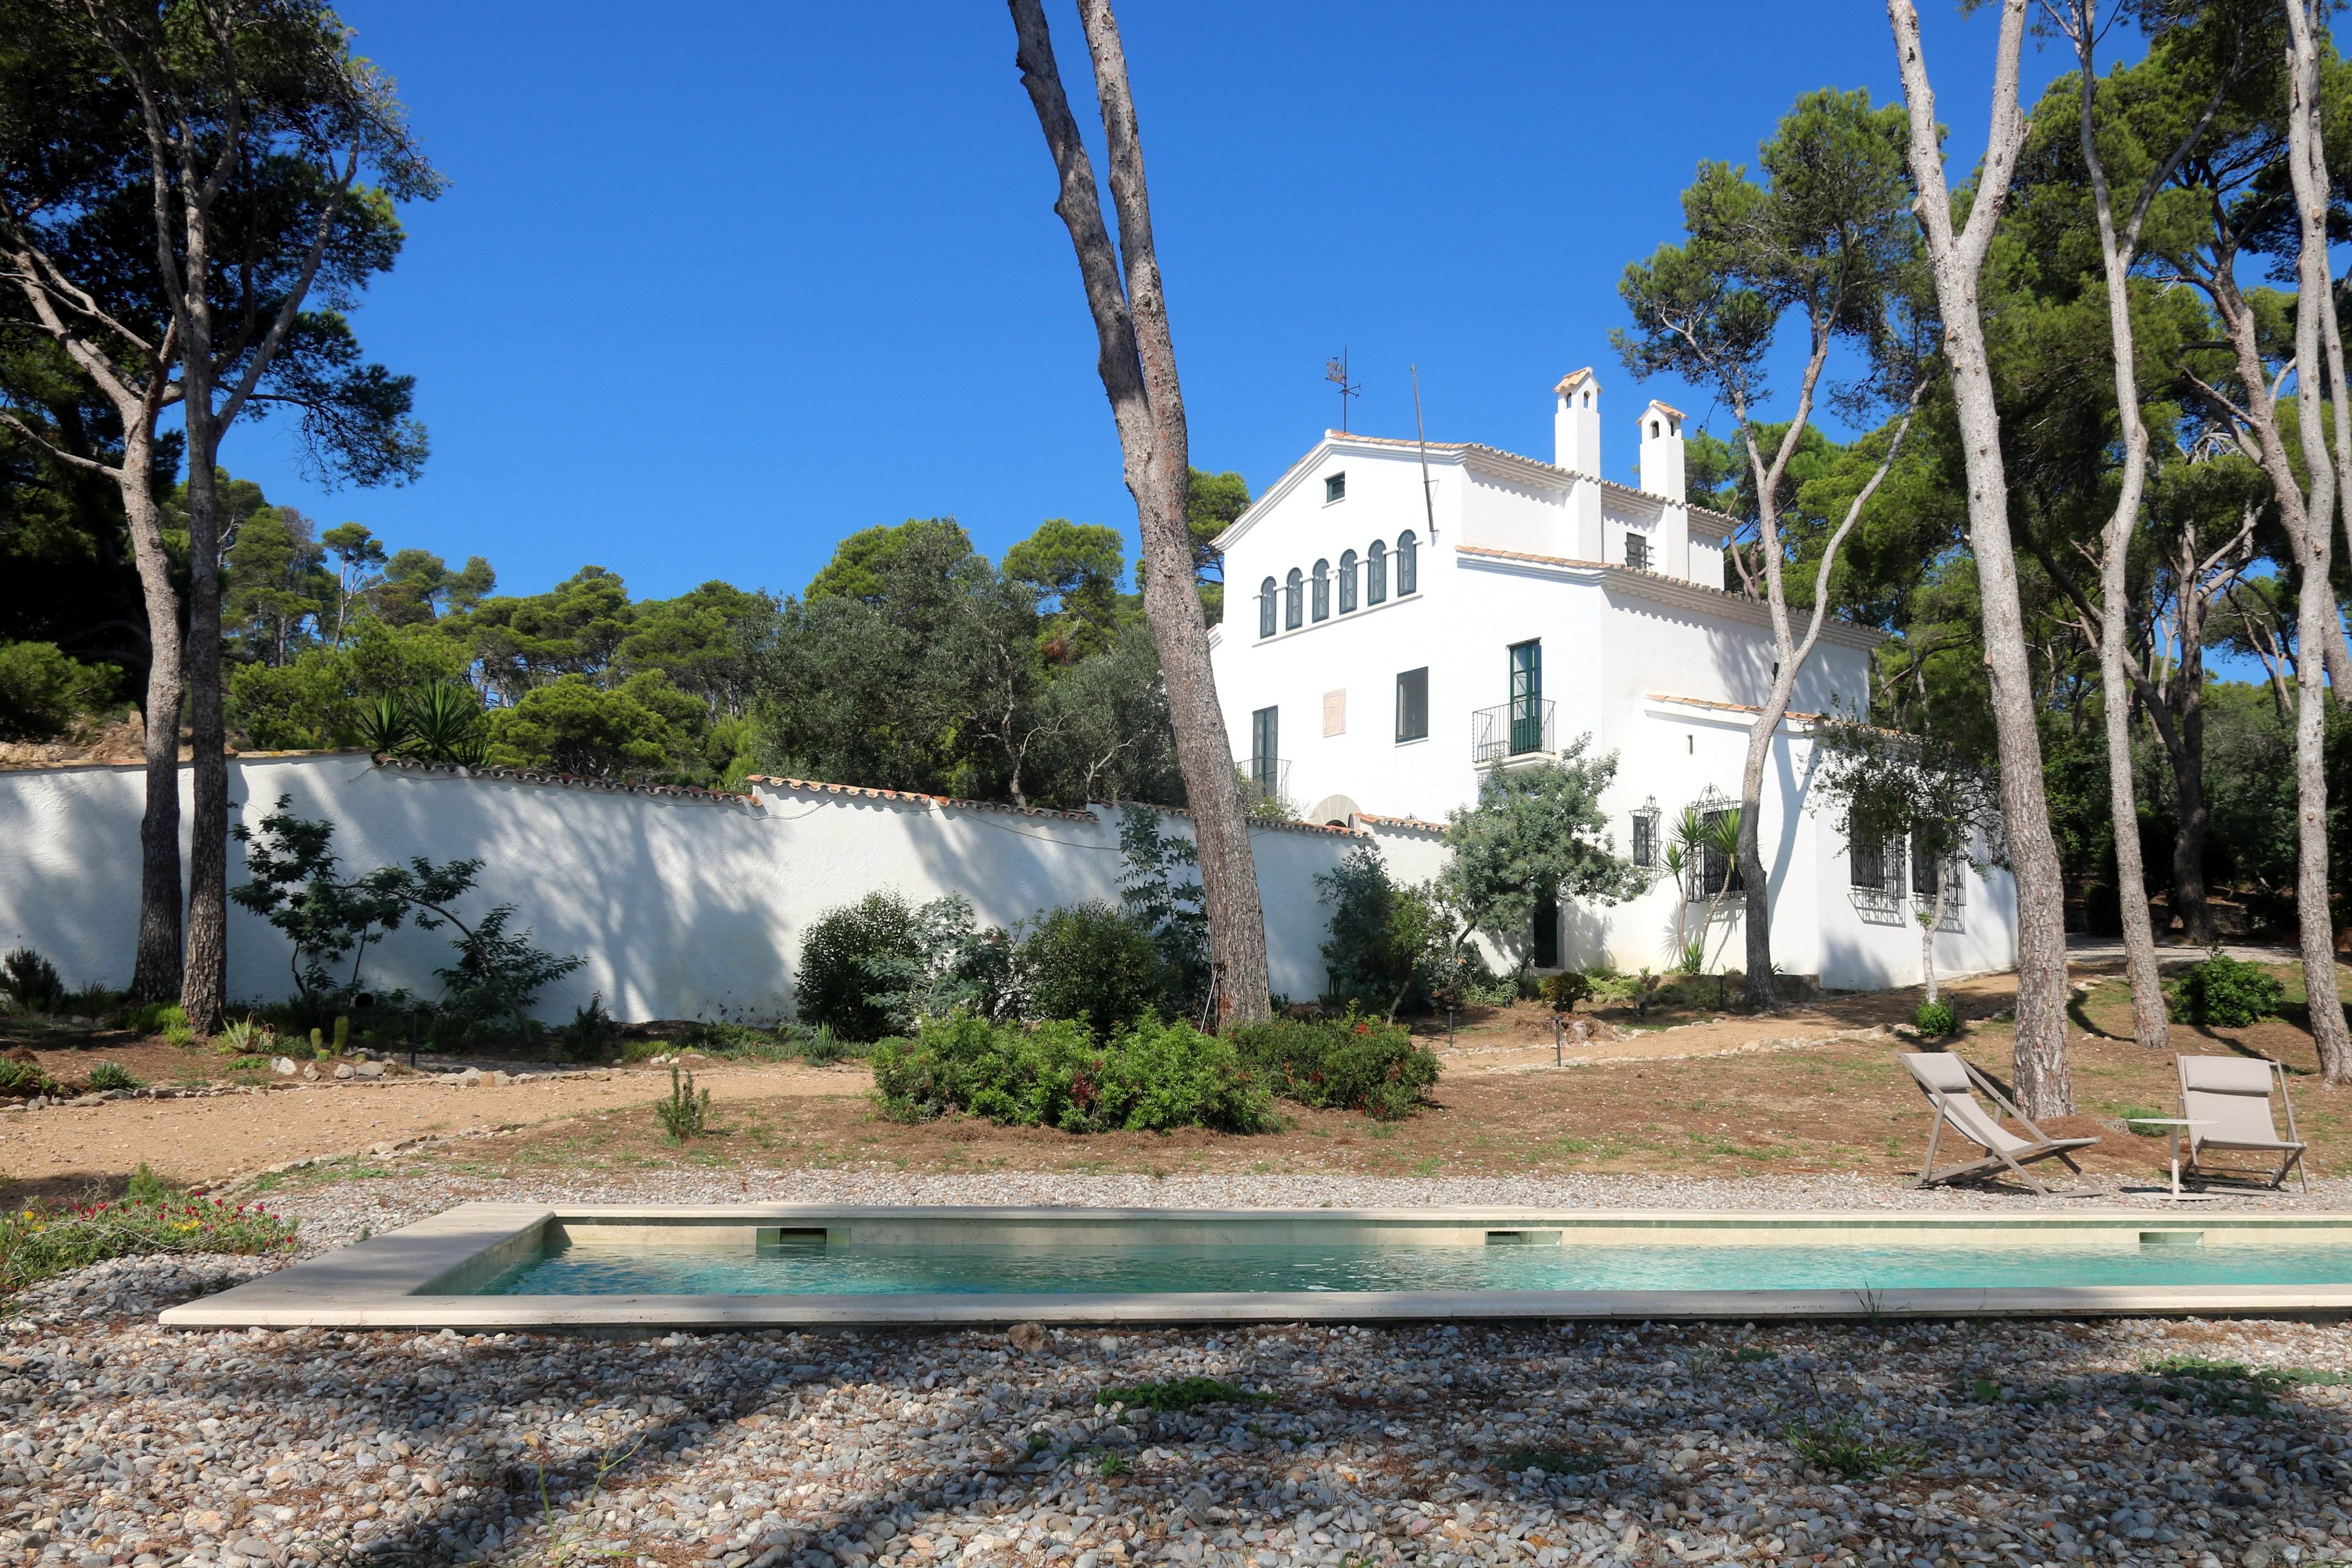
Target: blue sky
714, 285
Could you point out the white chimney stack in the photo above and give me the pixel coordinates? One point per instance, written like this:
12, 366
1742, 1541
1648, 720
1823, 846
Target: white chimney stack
1576, 424
1662, 451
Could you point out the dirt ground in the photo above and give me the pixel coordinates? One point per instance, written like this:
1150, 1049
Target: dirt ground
1807, 1091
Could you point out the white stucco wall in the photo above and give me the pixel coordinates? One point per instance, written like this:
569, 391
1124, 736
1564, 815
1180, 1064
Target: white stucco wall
683, 906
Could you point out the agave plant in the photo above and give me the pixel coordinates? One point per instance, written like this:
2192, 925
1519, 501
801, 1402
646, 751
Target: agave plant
446, 720
383, 726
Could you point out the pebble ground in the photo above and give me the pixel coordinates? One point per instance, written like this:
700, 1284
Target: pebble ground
1902, 1444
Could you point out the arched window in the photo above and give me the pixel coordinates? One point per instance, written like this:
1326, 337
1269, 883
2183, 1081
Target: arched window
1408, 563
1347, 580
1266, 593
1376, 574
1294, 597
1322, 590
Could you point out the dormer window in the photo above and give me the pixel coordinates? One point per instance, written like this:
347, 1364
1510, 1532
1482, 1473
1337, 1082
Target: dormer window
1335, 488
1637, 551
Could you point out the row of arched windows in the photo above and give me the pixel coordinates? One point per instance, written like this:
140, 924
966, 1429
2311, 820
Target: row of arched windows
1291, 595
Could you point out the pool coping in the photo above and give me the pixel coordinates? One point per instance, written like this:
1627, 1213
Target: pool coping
389, 1282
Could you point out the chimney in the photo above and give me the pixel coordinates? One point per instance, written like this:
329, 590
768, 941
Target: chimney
1662, 451
1576, 424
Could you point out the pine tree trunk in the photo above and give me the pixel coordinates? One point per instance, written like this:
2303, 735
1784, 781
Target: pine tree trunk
2315, 598
2043, 1082
2149, 1024
204, 986
1138, 365
155, 964
2193, 817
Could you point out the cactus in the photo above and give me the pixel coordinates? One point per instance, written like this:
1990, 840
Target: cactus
343, 1035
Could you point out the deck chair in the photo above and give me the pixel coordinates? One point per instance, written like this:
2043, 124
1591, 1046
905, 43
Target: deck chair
1951, 1085
2228, 1101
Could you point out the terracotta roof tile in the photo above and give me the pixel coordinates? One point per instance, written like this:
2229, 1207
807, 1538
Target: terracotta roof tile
955, 802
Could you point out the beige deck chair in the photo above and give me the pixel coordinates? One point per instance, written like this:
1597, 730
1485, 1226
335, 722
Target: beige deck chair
2227, 1099
1951, 1085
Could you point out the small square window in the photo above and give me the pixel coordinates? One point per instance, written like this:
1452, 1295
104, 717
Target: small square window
1335, 488
1637, 551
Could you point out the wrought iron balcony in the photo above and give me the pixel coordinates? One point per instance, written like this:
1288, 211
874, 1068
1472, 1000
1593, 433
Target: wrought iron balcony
1520, 728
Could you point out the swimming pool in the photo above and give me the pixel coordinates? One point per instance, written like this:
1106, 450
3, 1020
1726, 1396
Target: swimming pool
523, 1265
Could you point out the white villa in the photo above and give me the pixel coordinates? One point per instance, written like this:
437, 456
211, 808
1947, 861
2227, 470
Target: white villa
1401, 617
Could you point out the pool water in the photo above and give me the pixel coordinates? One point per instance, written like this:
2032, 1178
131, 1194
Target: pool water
805, 1270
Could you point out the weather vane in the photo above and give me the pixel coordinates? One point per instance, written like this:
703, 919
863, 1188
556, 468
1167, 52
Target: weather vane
1336, 372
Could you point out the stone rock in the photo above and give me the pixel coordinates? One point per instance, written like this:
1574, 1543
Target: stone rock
370, 1069
470, 1077
282, 1066
501, 1077
1026, 1338
342, 1069
310, 1070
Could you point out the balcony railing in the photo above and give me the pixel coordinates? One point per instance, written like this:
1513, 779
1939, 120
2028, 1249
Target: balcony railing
1263, 778
1520, 728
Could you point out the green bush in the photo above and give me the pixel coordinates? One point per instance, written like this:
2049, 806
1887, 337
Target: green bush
108, 1075
43, 692
1563, 991
836, 984
1935, 1019
31, 982
157, 1018
1093, 964
2224, 992
685, 1114
24, 1079
1346, 1064
1147, 1077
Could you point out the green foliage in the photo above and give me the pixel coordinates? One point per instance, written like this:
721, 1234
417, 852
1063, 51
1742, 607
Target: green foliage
1935, 1019
591, 1033
1178, 1395
1159, 887
1537, 832
2227, 993
24, 1079
1563, 991
497, 976
643, 728
1386, 941
1093, 964
1345, 1064
38, 1242
30, 981
880, 965
157, 1018
1147, 1077
108, 1075
1840, 1449
44, 693
685, 1114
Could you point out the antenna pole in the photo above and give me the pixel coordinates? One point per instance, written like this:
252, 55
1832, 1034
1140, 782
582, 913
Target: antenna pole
1428, 507
1336, 371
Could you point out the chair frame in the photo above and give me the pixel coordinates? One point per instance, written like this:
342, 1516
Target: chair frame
2043, 1146
2206, 1175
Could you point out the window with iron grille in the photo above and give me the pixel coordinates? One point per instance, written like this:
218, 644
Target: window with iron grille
1646, 840
1637, 551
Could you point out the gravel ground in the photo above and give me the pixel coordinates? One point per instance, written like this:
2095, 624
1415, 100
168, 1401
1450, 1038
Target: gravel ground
2021, 1443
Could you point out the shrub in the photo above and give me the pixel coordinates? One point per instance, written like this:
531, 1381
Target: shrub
22, 1080
592, 1031
684, 1114
1348, 1064
1935, 1019
1563, 991
37, 1243
838, 957
158, 1017
108, 1075
44, 693
1093, 964
1150, 1077
31, 982
2224, 992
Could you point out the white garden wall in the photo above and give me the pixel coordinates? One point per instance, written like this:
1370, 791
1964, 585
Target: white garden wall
685, 904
